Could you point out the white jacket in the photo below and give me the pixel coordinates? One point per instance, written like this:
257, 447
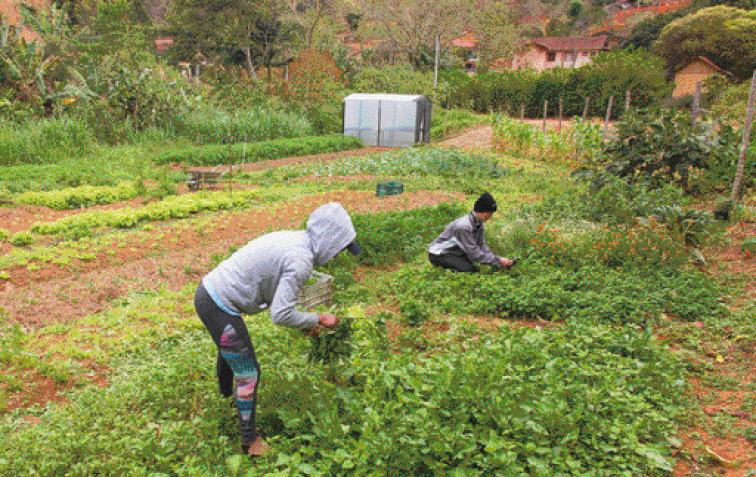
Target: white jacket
270, 271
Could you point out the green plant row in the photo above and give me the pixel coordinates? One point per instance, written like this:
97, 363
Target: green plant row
424, 161
580, 143
170, 208
537, 289
390, 237
214, 155
83, 196
591, 401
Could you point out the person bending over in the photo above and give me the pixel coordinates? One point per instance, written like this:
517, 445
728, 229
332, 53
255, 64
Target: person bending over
267, 273
462, 244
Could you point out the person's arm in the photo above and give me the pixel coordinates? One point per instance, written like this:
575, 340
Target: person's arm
283, 309
503, 261
479, 253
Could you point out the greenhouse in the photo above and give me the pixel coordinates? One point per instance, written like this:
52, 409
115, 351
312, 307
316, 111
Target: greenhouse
388, 120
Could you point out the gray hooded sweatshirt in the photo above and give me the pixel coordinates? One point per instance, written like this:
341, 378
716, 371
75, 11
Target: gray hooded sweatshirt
270, 271
465, 236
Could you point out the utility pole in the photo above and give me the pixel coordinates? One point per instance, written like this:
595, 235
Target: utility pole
435, 66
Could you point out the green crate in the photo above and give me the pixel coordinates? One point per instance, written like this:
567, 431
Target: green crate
389, 188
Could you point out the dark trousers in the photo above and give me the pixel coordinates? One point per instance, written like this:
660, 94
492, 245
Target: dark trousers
455, 263
236, 360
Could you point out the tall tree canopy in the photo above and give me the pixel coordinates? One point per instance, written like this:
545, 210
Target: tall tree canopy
725, 35
412, 27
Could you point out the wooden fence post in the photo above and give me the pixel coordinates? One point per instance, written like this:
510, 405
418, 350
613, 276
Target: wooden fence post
696, 101
736, 183
522, 112
585, 107
627, 100
608, 112
561, 106
545, 110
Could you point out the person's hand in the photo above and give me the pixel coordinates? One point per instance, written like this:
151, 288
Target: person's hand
506, 263
328, 320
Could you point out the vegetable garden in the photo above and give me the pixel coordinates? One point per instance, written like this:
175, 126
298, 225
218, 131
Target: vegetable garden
611, 349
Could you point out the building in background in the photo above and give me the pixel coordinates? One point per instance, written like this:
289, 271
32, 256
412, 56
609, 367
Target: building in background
545, 53
694, 71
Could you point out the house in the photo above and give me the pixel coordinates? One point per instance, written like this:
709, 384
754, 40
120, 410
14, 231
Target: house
692, 72
545, 53
469, 44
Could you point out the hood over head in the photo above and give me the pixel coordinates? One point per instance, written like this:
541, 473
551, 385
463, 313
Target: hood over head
330, 230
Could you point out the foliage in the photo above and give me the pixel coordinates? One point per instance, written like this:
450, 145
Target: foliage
77, 197
83, 224
206, 124
328, 346
731, 107
421, 162
645, 33
449, 122
596, 278
589, 401
389, 236
723, 34
614, 73
45, 141
685, 226
214, 155
22, 238
413, 313
93, 170
316, 88
396, 80
668, 147
581, 144
609, 74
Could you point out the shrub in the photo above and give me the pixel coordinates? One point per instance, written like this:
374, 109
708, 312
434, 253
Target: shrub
668, 147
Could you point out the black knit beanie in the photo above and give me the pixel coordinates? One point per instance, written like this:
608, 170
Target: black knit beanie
485, 203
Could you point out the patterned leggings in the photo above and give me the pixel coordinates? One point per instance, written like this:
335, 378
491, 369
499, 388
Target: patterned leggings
236, 360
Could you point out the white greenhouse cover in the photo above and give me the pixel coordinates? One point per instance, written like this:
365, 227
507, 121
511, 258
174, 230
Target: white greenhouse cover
386, 119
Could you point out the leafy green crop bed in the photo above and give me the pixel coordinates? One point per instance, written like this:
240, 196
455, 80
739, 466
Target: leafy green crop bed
592, 401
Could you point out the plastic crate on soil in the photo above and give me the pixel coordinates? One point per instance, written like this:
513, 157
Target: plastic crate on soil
389, 188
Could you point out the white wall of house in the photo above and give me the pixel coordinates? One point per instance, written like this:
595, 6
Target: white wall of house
540, 59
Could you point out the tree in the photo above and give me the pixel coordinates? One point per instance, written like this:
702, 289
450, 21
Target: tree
725, 35
309, 15
407, 25
616, 72
220, 27
645, 33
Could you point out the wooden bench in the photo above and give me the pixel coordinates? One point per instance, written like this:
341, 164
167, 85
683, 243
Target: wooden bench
200, 179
